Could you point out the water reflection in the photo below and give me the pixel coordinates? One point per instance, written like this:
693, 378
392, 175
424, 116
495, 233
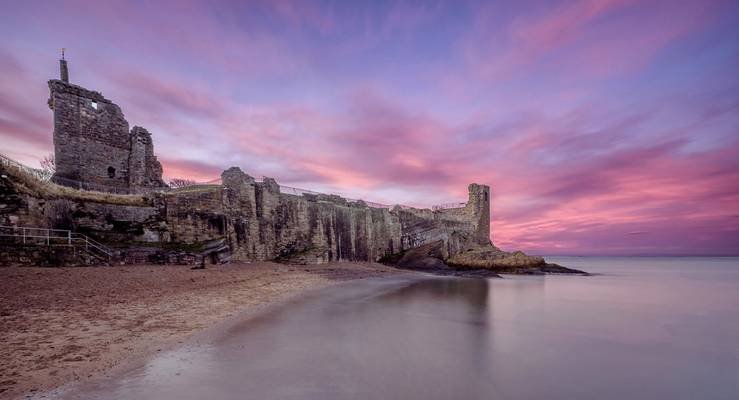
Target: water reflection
619, 335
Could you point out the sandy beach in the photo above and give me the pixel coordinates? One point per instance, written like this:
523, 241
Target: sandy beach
65, 324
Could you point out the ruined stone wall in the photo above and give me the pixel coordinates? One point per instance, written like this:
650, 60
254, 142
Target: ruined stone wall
90, 136
260, 223
458, 228
194, 217
315, 229
41, 256
253, 220
14, 209
95, 150
478, 210
144, 170
93, 147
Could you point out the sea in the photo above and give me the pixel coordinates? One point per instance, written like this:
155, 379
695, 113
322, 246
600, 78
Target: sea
637, 328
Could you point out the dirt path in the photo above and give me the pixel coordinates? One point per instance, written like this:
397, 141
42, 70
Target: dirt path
58, 325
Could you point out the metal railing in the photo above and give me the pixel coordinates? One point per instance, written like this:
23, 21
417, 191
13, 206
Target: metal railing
37, 173
179, 183
447, 206
45, 176
286, 190
58, 237
299, 192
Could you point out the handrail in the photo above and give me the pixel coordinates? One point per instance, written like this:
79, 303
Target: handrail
90, 241
447, 206
35, 172
42, 175
92, 247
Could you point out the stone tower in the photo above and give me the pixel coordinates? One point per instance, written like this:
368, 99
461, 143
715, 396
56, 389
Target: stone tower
93, 147
479, 203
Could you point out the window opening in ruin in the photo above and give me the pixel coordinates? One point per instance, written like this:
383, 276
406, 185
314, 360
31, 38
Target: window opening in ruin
94, 105
486, 196
111, 172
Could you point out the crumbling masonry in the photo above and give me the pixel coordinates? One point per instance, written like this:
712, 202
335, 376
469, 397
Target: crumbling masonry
93, 147
240, 219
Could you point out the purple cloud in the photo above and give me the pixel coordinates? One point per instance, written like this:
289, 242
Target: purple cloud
603, 127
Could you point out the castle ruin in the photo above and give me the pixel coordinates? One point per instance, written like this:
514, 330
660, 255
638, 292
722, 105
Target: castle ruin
241, 219
93, 146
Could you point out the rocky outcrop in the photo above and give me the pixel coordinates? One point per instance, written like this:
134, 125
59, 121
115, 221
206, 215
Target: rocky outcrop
481, 260
494, 259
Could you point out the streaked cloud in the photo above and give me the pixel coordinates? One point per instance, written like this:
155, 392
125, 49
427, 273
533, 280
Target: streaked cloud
603, 127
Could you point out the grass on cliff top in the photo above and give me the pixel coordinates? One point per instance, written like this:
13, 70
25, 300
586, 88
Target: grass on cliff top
31, 185
195, 188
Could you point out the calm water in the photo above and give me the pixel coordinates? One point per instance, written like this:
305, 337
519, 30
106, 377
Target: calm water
648, 328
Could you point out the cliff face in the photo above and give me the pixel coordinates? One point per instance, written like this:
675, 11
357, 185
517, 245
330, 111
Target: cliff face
252, 220
260, 223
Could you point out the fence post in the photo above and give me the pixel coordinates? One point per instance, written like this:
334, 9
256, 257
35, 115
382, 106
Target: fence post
24, 235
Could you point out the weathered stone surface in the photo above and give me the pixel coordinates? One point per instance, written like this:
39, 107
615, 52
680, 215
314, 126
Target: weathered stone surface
15, 253
430, 258
144, 170
241, 219
490, 257
93, 147
254, 219
426, 257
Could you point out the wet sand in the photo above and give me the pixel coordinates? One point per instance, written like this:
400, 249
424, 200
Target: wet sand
626, 333
61, 325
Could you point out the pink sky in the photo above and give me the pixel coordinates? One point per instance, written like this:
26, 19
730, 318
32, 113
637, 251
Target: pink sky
603, 127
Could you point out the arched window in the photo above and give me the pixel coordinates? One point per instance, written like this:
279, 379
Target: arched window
111, 172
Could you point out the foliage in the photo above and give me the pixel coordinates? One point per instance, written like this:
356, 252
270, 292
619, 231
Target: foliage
48, 167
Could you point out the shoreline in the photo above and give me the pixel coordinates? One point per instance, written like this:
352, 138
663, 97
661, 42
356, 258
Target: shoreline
212, 335
64, 325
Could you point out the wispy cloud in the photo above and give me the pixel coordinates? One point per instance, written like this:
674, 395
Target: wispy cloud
602, 126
